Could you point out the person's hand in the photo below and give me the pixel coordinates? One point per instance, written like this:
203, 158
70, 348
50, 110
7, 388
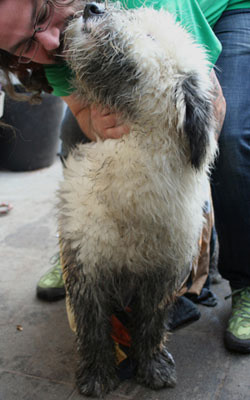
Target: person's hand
96, 122
105, 124
219, 103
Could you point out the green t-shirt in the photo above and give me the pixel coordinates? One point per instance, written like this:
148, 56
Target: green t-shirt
236, 4
214, 9
197, 16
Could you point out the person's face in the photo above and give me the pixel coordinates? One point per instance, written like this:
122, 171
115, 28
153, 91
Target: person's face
17, 19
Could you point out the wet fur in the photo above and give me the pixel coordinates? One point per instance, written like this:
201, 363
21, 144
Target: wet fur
130, 211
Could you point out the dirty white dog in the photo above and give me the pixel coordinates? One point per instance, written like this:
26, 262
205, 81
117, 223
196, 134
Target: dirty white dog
130, 209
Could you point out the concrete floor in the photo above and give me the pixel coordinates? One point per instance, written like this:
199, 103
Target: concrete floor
38, 361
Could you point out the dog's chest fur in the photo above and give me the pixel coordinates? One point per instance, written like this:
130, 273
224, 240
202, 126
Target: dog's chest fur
133, 203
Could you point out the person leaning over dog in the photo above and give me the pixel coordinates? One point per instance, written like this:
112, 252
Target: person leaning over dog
31, 46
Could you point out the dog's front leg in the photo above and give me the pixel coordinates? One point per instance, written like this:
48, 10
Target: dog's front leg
96, 373
156, 367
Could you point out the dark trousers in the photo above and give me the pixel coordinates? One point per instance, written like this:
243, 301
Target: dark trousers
231, 177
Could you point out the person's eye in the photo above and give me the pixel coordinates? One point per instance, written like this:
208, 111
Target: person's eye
43, 14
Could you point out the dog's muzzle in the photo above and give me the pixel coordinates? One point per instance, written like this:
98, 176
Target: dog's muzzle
93, 10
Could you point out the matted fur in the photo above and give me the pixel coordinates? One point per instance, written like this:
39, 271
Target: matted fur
130, 211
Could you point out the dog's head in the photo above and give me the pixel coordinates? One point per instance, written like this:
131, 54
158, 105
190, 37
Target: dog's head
145, 66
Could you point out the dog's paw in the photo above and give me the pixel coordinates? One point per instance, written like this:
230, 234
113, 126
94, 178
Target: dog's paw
96, 384
157, 372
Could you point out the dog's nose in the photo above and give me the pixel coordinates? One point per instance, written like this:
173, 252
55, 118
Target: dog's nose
93, 10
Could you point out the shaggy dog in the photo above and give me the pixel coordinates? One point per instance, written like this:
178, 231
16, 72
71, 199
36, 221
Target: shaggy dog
130, 211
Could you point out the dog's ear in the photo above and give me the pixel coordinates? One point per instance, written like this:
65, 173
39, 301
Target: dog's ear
195, 116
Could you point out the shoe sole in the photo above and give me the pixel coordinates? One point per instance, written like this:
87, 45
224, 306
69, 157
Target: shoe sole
50, 294
237, 345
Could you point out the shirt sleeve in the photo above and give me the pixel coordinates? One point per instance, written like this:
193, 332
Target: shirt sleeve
59, 77
191, 16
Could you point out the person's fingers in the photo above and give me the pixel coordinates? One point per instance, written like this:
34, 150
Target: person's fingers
107, 125
115, 133
102, 117
104, 111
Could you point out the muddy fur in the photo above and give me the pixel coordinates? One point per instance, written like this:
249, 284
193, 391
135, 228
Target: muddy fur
130, 210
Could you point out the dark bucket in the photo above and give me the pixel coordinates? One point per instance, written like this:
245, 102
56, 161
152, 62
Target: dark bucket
33, 143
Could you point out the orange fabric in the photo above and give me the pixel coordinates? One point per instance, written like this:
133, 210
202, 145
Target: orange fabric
120, 333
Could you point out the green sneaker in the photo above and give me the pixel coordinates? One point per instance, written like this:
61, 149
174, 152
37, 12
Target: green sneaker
237, 335
51, 285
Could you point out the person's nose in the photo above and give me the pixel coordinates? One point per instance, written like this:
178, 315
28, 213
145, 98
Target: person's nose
49, 39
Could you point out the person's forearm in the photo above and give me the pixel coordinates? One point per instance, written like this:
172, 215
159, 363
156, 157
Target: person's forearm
82, 115
219, 104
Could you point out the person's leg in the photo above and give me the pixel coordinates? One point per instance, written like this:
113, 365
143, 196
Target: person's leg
199, 291
196, 288
231, 177
50, 286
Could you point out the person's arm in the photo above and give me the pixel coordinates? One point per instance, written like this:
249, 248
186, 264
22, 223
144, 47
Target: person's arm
219, 103
95, 122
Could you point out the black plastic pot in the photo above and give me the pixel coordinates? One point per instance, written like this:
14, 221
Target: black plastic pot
34, 142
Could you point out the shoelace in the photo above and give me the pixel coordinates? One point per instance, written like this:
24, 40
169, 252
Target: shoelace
243, 307
55, 259
234, 292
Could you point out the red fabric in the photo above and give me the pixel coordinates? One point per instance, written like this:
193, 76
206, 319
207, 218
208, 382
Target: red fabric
120, 333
